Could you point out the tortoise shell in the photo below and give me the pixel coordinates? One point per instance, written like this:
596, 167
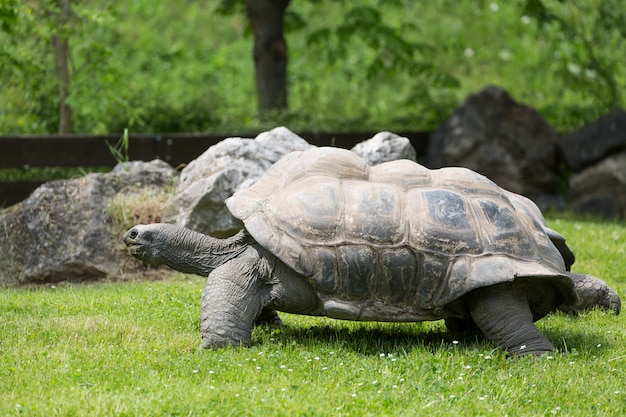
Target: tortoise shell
396, 240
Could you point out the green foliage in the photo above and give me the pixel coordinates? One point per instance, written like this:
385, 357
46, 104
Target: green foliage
166, 66
120, 149
386, 54
588, 40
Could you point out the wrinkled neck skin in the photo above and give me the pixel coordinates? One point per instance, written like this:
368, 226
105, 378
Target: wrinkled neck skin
196, 253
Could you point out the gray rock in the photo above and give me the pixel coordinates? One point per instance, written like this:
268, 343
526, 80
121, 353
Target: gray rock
601, 188
594, 141
385, 147
216, 174
506, 141
62, 230
200, 205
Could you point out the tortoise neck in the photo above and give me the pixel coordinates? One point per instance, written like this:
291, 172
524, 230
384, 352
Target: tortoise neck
200, 254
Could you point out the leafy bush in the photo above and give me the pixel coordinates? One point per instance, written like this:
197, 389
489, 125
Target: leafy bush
166, 66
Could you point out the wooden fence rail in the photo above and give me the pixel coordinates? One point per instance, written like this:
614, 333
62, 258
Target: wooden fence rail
177, 148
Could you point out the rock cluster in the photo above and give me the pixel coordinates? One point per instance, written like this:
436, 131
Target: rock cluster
596, 156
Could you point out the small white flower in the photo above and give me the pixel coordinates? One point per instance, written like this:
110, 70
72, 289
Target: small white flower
282, 366
522, 347
494, 7
455, 342
195, 371
525, 20
353, 395
468, 52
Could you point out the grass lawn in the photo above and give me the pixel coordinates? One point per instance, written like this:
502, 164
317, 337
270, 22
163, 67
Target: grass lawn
132, 349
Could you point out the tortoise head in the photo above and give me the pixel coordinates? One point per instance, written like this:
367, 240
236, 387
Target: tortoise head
152, 243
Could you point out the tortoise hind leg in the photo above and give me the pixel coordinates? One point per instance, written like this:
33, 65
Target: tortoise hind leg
232, 299
502, 313
593, 293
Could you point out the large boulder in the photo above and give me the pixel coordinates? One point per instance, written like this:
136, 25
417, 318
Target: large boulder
62, 231
504, 140
216, 174
601, 188
594, 141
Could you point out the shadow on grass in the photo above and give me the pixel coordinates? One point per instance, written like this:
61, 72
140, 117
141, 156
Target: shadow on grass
433, 337
372, 338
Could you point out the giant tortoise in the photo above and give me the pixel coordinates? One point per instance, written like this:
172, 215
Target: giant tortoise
328, 235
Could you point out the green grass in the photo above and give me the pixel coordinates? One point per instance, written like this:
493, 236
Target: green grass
132, 349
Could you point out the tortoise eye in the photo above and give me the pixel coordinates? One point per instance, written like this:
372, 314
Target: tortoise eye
133, 233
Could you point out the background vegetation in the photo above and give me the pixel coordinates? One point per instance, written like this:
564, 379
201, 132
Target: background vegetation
171, 65
132, 349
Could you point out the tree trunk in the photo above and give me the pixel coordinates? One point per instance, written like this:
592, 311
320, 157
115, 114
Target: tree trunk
270, 53
61, 57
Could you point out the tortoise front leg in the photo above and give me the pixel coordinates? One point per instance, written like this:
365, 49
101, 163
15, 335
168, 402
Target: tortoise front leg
232, 299
502, 313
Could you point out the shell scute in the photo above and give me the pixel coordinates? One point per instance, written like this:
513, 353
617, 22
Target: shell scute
372, 213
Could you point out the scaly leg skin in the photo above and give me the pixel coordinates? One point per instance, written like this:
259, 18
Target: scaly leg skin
593, 293
232, 299
502, 313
